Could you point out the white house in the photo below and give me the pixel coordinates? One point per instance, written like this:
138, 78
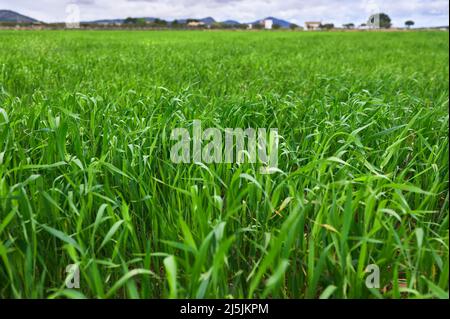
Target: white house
313, 25
195, 24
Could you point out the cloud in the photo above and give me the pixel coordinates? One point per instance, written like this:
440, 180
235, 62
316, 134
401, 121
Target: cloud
423, 12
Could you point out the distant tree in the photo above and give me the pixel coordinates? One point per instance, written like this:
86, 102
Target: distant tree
327, 26
349, 25
380, 20
141, 21
257, 26
160, 22
135, 21
293, 26
130, 20
276, 27
220, 25
409, 23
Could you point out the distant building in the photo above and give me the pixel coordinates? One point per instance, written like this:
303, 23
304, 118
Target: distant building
250, 26
268, 24
195, 24
313, 25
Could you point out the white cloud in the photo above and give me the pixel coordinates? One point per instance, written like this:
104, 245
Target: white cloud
423, 12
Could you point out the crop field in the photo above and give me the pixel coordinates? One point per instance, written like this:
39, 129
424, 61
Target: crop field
87, 180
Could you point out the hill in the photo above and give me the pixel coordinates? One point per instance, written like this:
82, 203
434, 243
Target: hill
11, 16
207, 21
231, 22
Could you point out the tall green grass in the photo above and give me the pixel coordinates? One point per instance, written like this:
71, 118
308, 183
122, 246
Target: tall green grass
86, 176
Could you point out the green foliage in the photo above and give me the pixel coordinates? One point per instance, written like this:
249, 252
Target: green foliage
135, 21
327, 26
130, 20
86, 176
409, 23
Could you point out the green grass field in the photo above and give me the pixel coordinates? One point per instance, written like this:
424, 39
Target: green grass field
86, 176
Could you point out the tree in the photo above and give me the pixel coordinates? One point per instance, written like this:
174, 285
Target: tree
349, 25
160, 23
141, 21
380, 20
293, 26
409, 23
135, 21
130, 20
327, 26
220, 25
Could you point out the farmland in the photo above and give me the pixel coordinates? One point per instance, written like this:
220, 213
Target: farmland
86, 176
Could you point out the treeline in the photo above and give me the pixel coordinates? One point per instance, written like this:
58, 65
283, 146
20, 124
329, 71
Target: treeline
176, 24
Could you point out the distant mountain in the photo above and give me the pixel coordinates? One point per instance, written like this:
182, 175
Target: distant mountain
115, 21
276, 21
231, 22
11, 16
208, 20
105, 21
148, 19
180, 21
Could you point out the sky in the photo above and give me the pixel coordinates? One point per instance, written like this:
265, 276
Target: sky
423, 12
